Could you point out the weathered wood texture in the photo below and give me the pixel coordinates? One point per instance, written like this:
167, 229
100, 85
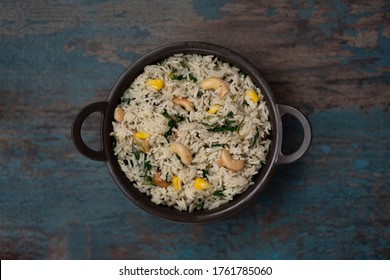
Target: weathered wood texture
331, 59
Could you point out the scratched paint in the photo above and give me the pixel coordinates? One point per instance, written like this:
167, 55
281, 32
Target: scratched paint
370, 59
36, 63
101, 223
210, 10
332, 203
271, 11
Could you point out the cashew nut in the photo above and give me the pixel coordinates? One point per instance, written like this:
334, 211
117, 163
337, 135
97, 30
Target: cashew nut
182, 152
227, 161
217, 84
158, 181
184, 102
119, 114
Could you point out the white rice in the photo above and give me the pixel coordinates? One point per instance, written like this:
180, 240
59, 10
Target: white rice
147, 110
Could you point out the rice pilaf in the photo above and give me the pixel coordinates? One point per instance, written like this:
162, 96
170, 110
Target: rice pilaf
191, 131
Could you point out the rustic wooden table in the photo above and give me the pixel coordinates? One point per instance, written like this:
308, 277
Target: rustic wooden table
330, 59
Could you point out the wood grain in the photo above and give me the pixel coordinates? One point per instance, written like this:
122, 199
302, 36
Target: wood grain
329, 59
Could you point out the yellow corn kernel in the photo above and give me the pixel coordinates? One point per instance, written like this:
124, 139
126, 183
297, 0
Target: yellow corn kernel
142, 135
252, 95
213, 109
200, 184
176, 183
157, 84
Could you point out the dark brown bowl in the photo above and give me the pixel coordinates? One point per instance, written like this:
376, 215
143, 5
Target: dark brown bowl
106, 154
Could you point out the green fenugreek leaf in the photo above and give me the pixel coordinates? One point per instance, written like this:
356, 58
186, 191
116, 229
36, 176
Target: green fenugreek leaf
147, 166
219, 193
256, 137
200, 205
172, 123
178, 118
150, 180
228, 126
165, 114
136, 153
217, 145
242, 74
205, 173
126, 101
184, 64
192, 78
177, 77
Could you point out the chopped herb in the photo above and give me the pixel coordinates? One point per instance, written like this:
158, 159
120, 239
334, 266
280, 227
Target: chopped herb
242, 74
147, 166
254, 140
217, 145
136, 153
245, 103
219, 193
165, 114
199, 95
150, 180
174, 70
177, 77
126, 101
184, 64
200, 205
178, 118
228, 126
230, 114
192, 78
167, 133
205, 173
262, 162
172, 123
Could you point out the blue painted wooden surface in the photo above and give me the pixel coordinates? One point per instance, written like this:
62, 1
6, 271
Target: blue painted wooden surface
331, 59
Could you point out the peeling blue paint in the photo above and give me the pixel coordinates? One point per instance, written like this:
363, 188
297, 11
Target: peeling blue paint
271, 11
361, 163
342, 20
304, 13
209, 9
367, 59
325, 148
332, 203
31, 62
131, 56
135, 31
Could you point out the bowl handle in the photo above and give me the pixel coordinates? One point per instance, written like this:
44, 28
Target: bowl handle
76, 131
307, 135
